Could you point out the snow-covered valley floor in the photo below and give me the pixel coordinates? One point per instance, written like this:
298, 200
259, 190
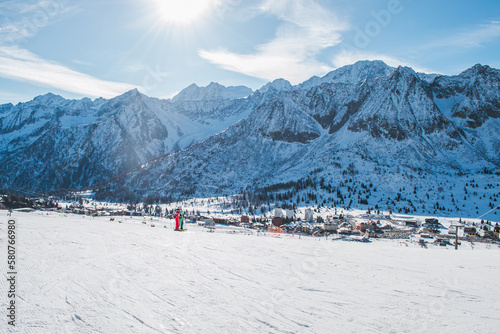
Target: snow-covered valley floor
79, 274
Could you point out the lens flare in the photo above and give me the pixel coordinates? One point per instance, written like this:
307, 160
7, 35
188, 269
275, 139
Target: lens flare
183, 12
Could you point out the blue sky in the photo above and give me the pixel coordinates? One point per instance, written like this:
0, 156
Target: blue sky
93, 48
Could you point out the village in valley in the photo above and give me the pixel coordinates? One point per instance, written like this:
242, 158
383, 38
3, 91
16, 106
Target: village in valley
219, 214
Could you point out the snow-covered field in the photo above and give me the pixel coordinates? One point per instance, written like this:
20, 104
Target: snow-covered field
79, 274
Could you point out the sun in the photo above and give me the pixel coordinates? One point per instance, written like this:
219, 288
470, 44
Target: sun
183, 12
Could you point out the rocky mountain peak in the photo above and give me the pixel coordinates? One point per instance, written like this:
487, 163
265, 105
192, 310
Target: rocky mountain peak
359, 71
49, 99
214, 91
278, 85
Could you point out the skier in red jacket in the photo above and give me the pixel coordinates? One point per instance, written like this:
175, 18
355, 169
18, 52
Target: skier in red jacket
177, 217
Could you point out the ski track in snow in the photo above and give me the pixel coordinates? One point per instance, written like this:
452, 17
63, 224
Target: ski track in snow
79, 274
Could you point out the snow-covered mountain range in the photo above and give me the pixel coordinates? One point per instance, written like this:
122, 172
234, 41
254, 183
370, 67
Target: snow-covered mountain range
366, 123
50, 142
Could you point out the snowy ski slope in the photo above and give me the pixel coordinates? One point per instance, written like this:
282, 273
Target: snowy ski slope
80, 274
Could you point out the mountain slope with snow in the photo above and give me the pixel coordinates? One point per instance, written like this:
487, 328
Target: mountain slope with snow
52, 143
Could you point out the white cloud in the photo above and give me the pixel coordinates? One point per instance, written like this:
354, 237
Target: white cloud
22, 65
8, 6
268, 66
23, 20
470, 39
307, 29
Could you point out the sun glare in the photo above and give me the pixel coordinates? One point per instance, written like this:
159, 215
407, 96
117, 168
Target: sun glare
182, 12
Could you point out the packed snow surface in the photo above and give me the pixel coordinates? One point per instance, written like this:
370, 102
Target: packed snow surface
79, 274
